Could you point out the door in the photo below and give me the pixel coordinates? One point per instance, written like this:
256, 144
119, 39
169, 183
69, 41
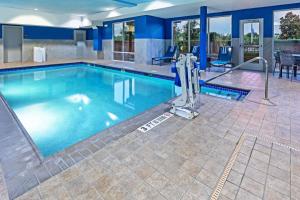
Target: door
80, 38
12, 43
251, 43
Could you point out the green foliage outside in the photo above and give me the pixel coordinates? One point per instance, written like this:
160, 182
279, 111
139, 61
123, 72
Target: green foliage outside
247, 39
217, 40
181, 35
221, 39
290, 27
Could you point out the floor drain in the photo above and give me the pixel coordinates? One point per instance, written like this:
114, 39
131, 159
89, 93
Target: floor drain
217, 191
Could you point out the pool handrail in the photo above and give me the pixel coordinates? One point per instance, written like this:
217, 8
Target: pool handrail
265, 62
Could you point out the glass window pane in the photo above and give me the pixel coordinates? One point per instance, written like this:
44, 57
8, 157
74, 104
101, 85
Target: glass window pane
129, 31
118, 56
251, 40
129, 57
287, 30
195, 32
123, 39
180, 36
219, 33
118, 37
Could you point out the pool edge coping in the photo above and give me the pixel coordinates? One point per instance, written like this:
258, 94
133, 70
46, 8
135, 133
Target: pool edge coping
59, 155
75, 147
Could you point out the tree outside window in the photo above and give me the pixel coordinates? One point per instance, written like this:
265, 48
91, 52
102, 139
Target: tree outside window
287, 30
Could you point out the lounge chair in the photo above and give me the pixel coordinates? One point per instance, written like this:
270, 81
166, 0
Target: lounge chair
224, 58
167, 57
195, 50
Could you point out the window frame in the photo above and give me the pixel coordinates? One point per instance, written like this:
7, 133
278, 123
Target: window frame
123, 42
208, 31
189, 30
273, 34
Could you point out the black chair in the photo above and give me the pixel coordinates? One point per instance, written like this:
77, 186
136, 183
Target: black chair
287, 60
277, 61
297, 61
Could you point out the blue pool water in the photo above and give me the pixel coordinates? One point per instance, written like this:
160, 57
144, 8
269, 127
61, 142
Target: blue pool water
224, 92
60, 106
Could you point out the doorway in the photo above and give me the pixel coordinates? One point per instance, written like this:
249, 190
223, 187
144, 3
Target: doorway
251, 43
80, 38
12, 43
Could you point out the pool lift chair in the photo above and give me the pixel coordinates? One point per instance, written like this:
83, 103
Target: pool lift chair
187, 76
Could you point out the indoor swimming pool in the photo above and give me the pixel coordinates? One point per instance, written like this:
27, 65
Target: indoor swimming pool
60, 106
224, 92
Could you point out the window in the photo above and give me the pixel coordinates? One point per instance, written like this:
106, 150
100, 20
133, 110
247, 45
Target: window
287, 30
186, 33
194, 33
219, 29
123, 41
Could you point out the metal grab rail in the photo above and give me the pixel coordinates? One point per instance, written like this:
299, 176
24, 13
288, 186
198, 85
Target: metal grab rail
248, 62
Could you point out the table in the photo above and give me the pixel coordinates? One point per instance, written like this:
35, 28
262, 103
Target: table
297, 62
297, 57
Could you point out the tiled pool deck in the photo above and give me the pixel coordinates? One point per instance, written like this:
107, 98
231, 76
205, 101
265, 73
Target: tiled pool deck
178, 159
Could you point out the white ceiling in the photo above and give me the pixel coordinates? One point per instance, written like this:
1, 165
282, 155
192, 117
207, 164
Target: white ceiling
70, 6
177, 8
112, 9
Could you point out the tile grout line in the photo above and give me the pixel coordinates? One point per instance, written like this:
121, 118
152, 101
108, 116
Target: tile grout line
290, 173
5, 192
248, 161
267, 174
217, 191
271, 140
290, 158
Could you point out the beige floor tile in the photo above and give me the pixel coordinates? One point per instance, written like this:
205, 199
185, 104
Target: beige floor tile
32, 195
278, 185
253, 187
199, 190
229, 190
157, 180
256, 175
144, 170
245, 195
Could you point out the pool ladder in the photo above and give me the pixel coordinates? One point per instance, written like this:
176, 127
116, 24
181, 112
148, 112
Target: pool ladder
265, 65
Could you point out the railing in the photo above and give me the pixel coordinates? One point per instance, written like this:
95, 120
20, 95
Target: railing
245, 63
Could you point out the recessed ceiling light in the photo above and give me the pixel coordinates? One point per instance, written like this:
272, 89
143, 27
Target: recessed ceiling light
155, 5
36, 9
109, 8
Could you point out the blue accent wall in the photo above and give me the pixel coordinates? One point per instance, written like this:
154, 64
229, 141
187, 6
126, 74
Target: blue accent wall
203, 38
149, 27
89, 34
264, 12
168, 29
40, 32
107, 30
97, 41
146, 27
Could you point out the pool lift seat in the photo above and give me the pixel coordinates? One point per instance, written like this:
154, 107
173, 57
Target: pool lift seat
184, 105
